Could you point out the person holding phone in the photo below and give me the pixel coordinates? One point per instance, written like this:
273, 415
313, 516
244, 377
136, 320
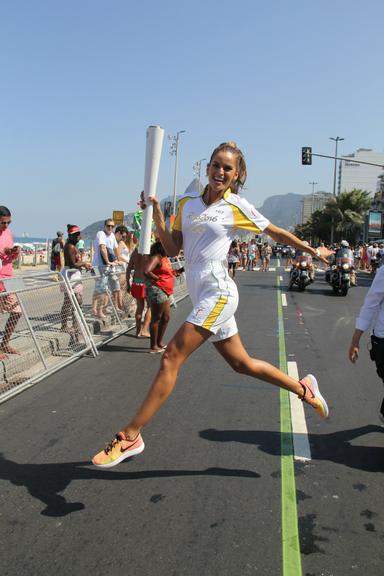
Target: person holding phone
9, 303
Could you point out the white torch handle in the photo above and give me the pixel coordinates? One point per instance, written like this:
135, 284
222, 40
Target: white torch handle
155, 136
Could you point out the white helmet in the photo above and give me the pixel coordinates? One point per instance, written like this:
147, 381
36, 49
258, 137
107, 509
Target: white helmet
344, 243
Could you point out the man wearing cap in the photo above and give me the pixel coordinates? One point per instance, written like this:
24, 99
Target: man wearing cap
57, 251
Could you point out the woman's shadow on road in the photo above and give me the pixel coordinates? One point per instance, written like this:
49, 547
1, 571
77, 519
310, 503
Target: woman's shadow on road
46, 481
336, 447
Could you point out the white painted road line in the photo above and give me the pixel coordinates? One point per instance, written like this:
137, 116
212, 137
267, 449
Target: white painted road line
284, 300
281, 278
302, 450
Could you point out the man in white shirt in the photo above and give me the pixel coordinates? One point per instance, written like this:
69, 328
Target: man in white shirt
372, 252
105, 256
372, 315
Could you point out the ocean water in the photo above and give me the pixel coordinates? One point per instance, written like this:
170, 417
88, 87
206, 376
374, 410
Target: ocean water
28, 240
31, 240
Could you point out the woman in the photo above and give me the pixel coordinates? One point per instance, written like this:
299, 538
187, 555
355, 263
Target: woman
243, 255
123, 256
159, 282
72, 270
205, 225
233, 257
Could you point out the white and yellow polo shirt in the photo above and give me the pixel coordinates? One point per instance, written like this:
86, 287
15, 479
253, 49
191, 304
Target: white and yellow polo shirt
207, 234
209, 230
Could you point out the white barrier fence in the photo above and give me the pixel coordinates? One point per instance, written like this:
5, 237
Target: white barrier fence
52, 320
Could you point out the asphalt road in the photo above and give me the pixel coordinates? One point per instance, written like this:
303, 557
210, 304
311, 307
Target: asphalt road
205, 497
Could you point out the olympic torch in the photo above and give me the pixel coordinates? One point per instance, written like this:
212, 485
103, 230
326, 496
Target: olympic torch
155, 136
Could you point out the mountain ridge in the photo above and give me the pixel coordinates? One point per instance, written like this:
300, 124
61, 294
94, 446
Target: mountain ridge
283, 210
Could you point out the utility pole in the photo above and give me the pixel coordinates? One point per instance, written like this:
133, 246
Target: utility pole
336, 140
197, 168
174, 151
313, 194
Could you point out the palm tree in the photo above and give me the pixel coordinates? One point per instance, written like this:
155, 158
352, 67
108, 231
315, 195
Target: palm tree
347, 211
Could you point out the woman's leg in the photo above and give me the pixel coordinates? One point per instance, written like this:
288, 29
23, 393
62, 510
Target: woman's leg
186, 340
156, 312
164, 320
237, 357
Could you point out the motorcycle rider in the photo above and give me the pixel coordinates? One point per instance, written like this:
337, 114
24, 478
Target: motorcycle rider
342, 251
300, 254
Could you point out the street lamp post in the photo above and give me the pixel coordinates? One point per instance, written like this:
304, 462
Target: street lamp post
336, 140
313, 194
174, 151
197, 168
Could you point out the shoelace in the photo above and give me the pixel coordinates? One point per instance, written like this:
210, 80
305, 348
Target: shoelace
112, 444
305, 388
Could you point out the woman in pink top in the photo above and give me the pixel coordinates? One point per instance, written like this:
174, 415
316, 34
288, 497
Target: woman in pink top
8, 302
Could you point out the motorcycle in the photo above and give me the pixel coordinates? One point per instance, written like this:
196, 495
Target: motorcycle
339, 275
299, 274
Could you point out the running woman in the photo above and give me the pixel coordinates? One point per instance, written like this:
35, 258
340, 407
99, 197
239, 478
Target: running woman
205, 226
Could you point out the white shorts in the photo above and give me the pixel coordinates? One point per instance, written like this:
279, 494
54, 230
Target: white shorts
214, 297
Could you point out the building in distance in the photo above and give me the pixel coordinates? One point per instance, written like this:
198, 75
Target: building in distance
313, 202
361, 176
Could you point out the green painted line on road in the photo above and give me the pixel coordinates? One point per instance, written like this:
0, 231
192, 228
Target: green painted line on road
290, 529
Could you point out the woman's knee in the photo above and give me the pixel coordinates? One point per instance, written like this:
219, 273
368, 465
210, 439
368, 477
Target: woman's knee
171, 358
239, 365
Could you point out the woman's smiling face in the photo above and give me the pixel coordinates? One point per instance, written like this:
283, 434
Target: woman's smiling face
222, 171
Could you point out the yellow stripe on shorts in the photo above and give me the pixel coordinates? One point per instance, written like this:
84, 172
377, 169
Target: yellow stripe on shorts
212, 317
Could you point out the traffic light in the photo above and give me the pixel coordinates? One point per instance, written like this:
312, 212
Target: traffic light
306, 155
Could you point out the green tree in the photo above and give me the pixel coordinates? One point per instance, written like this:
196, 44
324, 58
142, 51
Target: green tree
348, 213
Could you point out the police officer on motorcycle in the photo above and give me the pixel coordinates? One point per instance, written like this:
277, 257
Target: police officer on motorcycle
343, 250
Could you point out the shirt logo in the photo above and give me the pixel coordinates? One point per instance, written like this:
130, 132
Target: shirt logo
198, 222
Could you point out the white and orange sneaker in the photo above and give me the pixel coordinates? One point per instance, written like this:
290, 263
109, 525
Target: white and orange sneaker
118, 450
311, 395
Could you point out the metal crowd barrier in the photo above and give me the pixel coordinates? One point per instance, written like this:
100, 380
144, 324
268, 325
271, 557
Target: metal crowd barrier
61, 318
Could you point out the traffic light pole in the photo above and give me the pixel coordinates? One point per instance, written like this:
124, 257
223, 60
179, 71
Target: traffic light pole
347, 160
306, 159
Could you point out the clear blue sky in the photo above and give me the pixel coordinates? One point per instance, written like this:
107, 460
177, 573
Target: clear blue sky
82, 79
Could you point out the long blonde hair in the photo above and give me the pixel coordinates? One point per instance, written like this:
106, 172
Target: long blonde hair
241, 165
